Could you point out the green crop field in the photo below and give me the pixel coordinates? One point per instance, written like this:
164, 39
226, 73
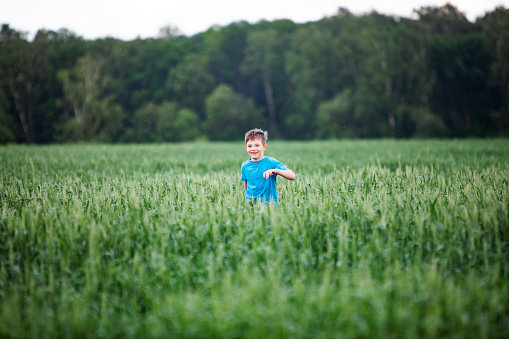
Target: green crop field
377, 238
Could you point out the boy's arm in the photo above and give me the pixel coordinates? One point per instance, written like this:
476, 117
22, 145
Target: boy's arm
245, 185
288, 173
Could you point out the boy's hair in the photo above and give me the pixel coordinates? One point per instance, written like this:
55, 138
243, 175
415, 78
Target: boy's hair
255, 134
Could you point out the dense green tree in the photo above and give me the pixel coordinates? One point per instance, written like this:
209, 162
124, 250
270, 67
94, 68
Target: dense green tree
230, 115
364, 54
371, 58
7, 134
310, 66
186, 125
142, 125
103, 124
495, 27
82, 85
224, 48
260, 59
461, 93
190, 82
29, 79
61, 50
95, 117
419, 122
335, 118
417, 79
174, 124
140, 69
21, 64
163, 122
446, 19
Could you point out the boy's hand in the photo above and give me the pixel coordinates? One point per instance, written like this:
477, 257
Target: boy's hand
269, 173
288, 174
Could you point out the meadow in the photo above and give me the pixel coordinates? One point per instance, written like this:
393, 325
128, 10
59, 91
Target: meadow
375, 238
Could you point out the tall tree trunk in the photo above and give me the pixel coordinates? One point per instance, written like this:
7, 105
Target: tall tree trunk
384, 65
424, 91
269, 97
22, 110
353, 68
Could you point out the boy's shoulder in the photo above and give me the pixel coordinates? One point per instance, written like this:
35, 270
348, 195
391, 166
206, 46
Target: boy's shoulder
273, 160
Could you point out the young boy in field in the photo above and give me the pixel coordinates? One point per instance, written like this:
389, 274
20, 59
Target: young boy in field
259, 173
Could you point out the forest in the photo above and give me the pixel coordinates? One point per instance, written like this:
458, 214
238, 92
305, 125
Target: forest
435, 75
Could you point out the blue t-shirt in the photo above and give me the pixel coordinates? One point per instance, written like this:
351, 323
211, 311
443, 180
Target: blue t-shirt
257, 186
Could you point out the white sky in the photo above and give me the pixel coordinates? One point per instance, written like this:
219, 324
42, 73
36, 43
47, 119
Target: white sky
129, 19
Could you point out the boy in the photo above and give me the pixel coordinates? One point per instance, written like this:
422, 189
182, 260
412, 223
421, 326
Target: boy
259, 173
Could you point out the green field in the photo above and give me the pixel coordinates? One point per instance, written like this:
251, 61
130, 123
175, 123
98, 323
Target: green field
377, 238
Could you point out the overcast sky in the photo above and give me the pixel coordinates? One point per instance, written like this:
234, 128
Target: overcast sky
129, 19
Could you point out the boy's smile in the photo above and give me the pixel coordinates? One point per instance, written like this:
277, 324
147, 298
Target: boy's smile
255, 149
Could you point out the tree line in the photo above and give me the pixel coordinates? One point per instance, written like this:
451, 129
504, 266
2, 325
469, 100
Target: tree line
345, 76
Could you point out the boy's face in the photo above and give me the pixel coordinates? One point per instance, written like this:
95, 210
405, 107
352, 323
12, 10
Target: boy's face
255, 149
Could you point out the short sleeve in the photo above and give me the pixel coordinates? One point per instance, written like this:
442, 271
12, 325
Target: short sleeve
282, 166
279, 165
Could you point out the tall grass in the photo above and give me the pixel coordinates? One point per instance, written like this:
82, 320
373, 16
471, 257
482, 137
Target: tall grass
374, 239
